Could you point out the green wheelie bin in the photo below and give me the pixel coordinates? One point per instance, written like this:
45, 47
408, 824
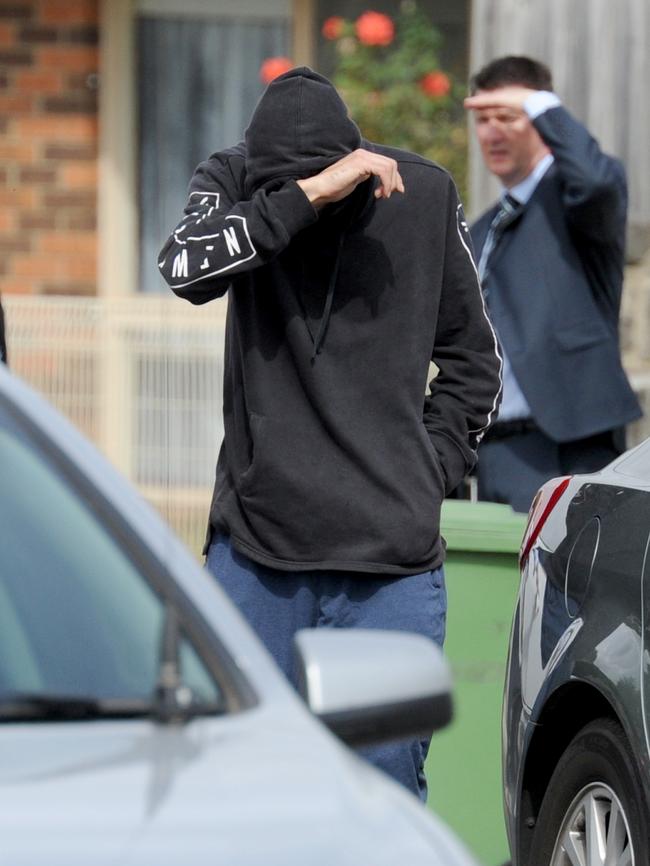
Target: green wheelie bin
464, 762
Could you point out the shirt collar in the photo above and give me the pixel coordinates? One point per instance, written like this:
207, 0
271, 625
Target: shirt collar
523, 190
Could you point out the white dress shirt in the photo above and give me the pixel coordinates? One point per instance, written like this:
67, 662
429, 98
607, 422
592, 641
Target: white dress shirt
513, 403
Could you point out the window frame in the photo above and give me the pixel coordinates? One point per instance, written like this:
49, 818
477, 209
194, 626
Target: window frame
118, 155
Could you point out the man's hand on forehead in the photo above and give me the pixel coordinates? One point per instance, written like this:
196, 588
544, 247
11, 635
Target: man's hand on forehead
340, 179
511, 98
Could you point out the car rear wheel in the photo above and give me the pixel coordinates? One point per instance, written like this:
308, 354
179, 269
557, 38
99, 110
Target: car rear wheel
593, 811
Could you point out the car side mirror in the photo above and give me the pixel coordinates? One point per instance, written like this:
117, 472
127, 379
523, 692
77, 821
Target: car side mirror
369, 685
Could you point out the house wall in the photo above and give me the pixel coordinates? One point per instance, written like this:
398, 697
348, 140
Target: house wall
48, 146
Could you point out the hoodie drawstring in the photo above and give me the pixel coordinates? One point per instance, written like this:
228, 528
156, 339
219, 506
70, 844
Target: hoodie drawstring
327, 310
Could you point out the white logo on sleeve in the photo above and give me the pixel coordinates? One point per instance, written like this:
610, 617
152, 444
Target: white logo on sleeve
231, 241
179, 268
218, 252
209, 198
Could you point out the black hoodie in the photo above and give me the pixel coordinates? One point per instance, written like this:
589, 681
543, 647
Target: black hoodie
333, 457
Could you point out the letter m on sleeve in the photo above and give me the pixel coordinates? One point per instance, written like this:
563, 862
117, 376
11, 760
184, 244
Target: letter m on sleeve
179, 268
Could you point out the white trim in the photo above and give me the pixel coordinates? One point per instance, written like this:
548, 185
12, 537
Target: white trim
203, 195
117, 229
481, 430
259, 9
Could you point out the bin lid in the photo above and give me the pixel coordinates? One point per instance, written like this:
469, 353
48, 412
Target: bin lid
481, 526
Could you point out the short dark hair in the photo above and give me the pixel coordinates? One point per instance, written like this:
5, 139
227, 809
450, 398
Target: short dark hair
512, 70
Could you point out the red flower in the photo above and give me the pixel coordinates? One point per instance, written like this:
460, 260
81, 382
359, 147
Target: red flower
333, 27
435, 84
274, 66
374, 28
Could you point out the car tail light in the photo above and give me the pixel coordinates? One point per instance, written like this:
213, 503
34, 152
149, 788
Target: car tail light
544, 502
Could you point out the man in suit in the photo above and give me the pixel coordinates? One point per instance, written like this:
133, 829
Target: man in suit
550, 256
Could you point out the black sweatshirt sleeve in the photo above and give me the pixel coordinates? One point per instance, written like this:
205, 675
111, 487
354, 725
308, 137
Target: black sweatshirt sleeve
465, 394
223, 234
594, 188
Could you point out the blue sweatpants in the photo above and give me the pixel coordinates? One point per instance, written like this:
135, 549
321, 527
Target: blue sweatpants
279, 603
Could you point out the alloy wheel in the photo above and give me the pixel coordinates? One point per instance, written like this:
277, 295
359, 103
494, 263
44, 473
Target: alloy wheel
595, 831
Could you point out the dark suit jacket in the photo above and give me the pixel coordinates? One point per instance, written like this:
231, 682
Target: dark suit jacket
553, 287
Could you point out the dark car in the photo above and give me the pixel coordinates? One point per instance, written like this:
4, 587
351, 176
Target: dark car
575, 725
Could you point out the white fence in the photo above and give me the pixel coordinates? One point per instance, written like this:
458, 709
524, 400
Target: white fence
142, 377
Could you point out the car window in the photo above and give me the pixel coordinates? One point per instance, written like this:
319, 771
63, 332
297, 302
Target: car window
76, 616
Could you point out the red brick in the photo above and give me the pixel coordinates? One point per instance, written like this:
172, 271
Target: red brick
56, 267
86, 34
77, 198
38, 81
37, 174
53, 127
35, 267
83, 102
16, 57
84, 81
70, 288
17, 151
16, 244
22, 11
78, 58
7, 34
75, 176
82, 268
20, 103
70, 11
20, 152
20, 197
7, 221
72, 151
37, 33
76, 244
82, 221
13, 285
37, 220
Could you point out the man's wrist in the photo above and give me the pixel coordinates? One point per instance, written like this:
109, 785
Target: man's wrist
311, 189
539, 102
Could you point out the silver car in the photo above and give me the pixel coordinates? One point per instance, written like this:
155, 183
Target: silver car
141, 722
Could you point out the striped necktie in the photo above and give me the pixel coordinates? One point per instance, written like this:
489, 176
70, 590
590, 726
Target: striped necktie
508, 210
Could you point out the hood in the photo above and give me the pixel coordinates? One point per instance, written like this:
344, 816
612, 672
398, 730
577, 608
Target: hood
265, 786
299, 127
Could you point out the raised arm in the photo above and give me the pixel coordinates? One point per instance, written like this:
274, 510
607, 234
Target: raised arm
223, 234
594, 188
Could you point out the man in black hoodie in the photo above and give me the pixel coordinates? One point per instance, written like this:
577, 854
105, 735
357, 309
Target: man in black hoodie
348, 270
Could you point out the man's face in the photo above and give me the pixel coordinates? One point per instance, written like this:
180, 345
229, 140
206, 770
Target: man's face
510, 144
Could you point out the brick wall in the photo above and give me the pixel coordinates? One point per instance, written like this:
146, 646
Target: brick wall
48, 146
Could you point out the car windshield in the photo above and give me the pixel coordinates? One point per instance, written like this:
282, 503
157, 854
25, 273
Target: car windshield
80, 627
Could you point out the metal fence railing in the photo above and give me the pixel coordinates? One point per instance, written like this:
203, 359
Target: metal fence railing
140, 376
